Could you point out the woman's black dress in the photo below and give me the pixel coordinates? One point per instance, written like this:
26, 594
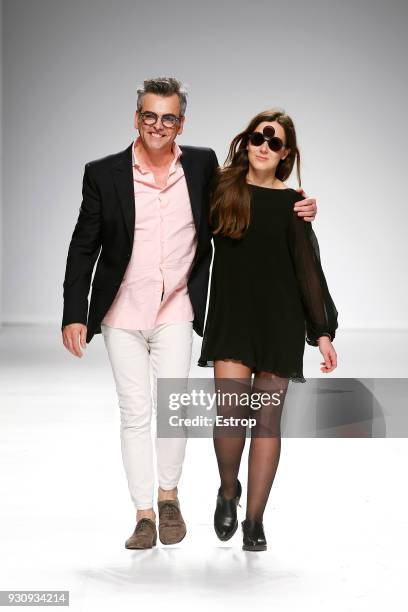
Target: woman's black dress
268, 291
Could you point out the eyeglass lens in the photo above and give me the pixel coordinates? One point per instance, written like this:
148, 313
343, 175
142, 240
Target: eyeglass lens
150, 118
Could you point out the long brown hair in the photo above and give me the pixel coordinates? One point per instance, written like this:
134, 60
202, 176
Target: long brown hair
231, 198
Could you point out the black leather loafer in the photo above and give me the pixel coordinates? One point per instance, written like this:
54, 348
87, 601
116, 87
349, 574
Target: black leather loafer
253, 535
225, 516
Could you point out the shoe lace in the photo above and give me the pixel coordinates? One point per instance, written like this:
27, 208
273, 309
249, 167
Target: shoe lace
169, 511
142, 524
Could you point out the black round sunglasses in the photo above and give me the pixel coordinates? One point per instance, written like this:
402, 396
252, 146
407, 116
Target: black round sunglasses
268, 134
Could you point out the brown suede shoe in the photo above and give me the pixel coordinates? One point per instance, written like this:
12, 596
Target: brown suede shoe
144, 535
172, 527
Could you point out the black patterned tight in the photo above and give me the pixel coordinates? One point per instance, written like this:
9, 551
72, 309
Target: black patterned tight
268, 391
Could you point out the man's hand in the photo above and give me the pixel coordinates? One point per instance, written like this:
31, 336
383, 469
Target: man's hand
306, 208
74, 337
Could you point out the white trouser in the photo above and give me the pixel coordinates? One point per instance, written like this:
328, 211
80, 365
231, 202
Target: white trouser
167, 349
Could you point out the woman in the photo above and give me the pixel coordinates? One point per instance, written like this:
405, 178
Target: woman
268, 293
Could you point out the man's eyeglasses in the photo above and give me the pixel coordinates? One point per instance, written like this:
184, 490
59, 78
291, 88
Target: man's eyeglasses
268, 134
168, 120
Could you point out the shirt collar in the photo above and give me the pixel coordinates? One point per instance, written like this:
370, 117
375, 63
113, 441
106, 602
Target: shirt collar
136, 163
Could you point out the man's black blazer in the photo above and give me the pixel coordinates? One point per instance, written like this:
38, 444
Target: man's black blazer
105, 227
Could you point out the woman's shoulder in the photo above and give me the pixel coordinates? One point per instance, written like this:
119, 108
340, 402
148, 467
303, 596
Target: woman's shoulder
293, 195
293, 191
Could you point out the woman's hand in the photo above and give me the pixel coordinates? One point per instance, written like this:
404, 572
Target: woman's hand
329, 354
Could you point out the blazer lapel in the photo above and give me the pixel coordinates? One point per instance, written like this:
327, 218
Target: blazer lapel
123, 179
192, 176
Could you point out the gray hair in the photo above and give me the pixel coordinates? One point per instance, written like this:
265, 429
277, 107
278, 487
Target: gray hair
163, 86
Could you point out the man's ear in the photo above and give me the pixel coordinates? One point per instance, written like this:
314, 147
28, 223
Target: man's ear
181, 125
136, 122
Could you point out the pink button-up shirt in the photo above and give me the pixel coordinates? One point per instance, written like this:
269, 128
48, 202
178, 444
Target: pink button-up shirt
154, 288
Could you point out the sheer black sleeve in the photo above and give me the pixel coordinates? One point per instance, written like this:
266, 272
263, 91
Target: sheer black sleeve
320, 311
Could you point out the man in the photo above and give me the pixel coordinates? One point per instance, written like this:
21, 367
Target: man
145, 212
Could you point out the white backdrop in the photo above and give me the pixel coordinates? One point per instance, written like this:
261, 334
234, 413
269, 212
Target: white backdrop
71, 70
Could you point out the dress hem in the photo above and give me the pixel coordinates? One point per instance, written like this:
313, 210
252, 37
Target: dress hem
209, 363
